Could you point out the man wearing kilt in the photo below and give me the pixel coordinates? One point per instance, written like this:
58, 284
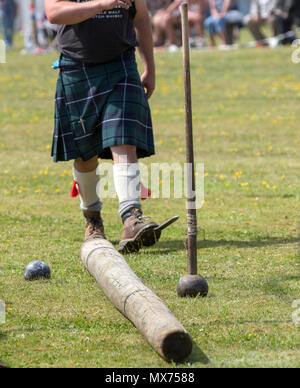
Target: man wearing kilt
101, 105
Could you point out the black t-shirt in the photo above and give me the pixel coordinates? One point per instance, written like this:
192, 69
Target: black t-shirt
101, 38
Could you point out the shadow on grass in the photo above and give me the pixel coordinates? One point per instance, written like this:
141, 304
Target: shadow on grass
166, 247
197, 356
178, 245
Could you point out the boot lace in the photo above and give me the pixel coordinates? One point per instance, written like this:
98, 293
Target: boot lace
139, 215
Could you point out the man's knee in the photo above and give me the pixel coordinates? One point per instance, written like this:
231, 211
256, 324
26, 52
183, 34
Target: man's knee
124, 154
86, 166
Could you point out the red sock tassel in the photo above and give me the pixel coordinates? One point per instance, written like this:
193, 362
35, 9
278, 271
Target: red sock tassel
74, 191
145, 193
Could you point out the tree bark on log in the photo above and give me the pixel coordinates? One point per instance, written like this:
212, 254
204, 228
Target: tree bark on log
136, 301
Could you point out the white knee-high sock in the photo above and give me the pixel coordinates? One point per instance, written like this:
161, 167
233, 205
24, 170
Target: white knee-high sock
87, 183
127, 185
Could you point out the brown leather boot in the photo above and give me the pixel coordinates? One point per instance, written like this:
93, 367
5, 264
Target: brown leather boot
137, 233
94, 225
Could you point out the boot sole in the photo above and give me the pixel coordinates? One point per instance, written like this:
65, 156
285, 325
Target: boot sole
147, 238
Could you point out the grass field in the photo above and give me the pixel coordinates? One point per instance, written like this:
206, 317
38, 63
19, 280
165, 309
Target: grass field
246, 123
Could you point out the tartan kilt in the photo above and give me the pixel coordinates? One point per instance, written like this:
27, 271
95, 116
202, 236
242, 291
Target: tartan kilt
98, 106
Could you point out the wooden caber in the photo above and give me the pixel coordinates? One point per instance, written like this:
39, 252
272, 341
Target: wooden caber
136, 301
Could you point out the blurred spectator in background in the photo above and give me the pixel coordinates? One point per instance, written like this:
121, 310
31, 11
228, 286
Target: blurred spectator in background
261, 13
216, 23
159, 17
235, 16
284, 20
166, 22
7, 15
295, 12
197, 11
243, 6
33, 17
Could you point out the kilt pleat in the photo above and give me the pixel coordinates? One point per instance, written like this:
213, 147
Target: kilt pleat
98, 106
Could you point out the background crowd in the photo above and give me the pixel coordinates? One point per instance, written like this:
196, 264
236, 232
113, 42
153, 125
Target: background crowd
224, 19
28, 17
209, 19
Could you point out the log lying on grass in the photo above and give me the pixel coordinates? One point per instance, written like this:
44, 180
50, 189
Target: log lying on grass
135, 301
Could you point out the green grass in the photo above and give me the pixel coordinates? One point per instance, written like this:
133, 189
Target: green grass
246, 124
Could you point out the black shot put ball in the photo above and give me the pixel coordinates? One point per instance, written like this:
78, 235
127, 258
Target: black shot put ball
192, 286
37, 270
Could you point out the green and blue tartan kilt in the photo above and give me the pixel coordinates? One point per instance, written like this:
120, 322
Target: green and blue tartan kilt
98, 106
